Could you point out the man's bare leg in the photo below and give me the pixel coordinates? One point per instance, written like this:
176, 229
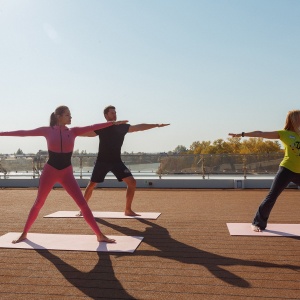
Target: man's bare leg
22, 237
88, 194
131, 185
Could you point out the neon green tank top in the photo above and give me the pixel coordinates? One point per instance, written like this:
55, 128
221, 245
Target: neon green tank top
291, 141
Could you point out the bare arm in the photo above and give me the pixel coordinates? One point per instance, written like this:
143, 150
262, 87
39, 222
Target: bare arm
89, 134
141, 127
260, 134
92, 133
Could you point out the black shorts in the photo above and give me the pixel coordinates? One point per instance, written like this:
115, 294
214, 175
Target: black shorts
102, 168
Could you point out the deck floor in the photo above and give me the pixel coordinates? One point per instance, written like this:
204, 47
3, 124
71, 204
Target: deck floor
187, 253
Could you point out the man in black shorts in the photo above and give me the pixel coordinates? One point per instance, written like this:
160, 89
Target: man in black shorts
109, 156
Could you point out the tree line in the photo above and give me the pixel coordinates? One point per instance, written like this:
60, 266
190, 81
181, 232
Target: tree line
233, 145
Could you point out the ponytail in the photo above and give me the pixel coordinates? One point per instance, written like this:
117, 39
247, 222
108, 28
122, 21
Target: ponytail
53, 119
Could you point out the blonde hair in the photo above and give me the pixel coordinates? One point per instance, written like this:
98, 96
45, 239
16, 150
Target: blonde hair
59, 111
292, 121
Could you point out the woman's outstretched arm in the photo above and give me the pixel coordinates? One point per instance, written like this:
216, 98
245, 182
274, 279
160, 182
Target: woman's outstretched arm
260, 134
41, 131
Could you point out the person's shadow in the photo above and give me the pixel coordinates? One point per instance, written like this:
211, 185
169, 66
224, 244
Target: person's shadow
101, 280
168, 248
98, 282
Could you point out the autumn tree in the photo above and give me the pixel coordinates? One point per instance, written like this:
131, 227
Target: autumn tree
234, 146
200, 147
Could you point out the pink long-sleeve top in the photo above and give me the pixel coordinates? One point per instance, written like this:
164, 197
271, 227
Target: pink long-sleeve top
60, 140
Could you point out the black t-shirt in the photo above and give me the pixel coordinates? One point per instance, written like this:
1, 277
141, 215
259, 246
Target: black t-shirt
110, 142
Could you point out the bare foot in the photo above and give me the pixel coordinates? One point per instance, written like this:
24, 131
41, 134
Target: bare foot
79, 214
22, 237
131, 213
105, 239
256, 228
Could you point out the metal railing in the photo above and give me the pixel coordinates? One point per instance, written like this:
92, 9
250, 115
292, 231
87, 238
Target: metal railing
159, 164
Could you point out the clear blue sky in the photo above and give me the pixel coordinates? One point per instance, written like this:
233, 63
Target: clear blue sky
208, 67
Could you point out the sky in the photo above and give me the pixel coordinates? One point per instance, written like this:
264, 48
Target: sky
207, 67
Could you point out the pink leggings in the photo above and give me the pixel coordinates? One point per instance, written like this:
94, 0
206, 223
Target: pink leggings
65, 177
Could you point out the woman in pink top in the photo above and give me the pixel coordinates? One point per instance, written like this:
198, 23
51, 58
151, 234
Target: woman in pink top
58, 169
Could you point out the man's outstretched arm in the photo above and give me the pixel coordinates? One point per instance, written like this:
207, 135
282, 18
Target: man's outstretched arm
141, 127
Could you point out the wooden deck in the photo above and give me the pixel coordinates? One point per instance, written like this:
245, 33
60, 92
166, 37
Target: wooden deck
187, 253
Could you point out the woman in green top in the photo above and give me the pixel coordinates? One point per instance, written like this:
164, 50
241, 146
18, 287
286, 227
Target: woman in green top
289, 168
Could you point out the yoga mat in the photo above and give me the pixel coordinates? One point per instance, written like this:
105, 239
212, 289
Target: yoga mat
70, 242
104, 215
271, 230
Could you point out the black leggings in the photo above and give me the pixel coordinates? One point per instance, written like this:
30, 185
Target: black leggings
280, 182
